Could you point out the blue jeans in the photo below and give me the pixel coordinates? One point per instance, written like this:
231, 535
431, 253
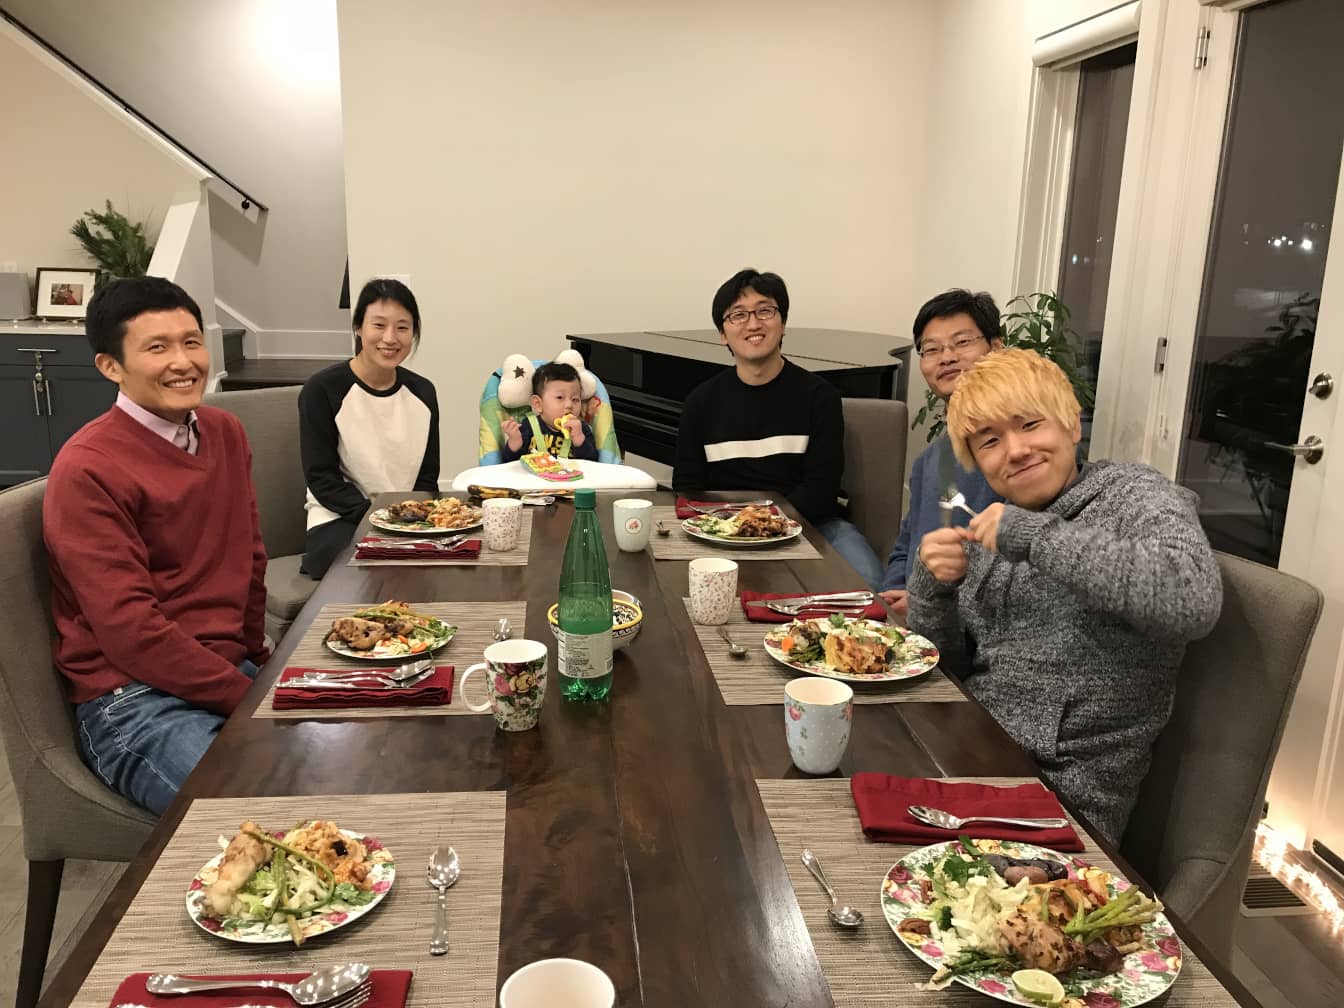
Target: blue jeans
144, 743
850, 544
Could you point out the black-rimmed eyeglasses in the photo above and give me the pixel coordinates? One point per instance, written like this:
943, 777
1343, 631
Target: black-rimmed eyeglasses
765, 313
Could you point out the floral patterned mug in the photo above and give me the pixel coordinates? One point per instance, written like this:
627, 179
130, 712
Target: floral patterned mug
516, 673
817, 716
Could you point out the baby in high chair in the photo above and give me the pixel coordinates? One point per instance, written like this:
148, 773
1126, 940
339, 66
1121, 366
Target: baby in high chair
554, 426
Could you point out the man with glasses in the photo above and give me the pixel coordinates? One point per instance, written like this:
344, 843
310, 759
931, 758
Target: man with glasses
767, 424
952, 331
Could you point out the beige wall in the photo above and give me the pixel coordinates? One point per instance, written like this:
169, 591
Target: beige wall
593, 166
252, 87
65, 155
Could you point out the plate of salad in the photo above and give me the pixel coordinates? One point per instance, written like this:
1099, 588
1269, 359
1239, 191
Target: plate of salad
749, 526
1062, 933
855, 650
392, 630
266, 887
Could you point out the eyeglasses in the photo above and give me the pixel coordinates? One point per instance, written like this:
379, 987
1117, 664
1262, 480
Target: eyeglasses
765, 313
937, 349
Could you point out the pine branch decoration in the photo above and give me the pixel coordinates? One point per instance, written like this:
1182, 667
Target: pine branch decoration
114, 242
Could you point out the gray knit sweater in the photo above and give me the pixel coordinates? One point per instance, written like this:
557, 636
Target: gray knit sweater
1072, 634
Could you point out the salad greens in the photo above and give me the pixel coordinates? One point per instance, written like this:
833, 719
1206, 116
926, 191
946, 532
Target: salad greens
294, 885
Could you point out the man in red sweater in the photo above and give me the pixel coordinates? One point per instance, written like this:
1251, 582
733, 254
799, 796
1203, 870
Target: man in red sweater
157, 564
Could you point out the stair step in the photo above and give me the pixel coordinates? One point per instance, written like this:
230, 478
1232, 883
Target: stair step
233, 347
270, 372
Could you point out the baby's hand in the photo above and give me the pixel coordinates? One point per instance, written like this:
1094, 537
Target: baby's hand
575, 427
513, 433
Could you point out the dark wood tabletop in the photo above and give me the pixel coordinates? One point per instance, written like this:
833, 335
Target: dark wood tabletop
635, 838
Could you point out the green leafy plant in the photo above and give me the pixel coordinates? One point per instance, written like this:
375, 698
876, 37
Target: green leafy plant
117, 245
1038, 322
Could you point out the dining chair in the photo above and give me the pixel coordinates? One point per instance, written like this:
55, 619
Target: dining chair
875, 439
1192, 830
271, 418
67, 812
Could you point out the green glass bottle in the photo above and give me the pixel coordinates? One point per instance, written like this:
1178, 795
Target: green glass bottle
584, 646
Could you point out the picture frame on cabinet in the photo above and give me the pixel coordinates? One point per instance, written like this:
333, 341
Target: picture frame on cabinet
64, 292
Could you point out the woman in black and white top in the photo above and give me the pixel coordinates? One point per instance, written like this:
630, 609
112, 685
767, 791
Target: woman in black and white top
366, 426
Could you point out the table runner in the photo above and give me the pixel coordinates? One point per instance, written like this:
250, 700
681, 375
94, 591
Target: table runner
679, 546
475, 622
870, 965
516, 557
759, 679
157, 935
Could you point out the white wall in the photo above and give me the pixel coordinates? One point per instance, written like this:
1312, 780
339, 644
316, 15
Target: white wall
589, 166
65, 155
252, 87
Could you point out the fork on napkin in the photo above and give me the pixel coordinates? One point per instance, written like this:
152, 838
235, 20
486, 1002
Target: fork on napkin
761, 614
883, 800
372, 548
389, 990
434, 691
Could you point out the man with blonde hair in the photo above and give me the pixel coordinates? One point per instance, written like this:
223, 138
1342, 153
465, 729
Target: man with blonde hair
1067, 609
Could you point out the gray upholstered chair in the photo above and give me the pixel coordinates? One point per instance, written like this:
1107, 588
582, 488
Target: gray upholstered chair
271, 418
875, 436
67, 812
1191, 833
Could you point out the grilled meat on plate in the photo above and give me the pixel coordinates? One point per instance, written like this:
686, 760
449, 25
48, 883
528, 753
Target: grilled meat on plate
1040, 944
360, 634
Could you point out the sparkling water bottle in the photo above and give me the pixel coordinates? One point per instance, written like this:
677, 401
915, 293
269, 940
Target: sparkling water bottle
584, 647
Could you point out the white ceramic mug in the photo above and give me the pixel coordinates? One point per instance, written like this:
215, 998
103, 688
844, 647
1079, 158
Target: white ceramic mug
634, 521
515, 672
713, 590
818, 713
503, 521
558, 983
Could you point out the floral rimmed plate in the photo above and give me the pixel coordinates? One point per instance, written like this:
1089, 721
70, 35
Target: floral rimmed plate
382, 872
915, 657
696, 529
1147, 972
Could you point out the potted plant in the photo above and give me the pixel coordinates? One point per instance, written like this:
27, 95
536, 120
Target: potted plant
117, 245
1040, 323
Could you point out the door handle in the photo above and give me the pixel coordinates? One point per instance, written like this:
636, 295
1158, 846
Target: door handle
46, 388
37, 391
1312, 449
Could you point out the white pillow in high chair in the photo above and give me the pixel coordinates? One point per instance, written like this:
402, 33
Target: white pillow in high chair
587, 380
515, 381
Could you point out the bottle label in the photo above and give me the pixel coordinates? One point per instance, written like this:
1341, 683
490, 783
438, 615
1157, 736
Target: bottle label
584, 656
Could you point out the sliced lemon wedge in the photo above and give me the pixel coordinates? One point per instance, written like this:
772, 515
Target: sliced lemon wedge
1039, 986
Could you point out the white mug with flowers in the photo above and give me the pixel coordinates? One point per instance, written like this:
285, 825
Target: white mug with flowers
817, 717
515, 671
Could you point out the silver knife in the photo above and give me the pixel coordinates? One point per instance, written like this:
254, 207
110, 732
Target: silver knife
806, 600
302, 683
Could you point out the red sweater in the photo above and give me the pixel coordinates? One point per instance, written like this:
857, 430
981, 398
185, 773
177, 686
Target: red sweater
157, 566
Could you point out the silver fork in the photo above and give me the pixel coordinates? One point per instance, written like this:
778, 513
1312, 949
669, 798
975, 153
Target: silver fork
415, 545
400, 674
730, 506
357, 998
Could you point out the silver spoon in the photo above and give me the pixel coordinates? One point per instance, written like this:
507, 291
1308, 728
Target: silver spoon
444, 870
946, 820
734, 648
662, 528
844, 915
318, 987
398, 675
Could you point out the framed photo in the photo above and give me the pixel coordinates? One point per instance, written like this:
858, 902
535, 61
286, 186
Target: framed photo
64, 293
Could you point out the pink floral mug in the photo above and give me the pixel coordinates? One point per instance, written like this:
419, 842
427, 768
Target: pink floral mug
515, 671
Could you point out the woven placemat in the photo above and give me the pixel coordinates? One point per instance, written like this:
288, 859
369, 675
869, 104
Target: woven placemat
157, 935
869, 965
757, 678
677, 545
475, 622
516, 557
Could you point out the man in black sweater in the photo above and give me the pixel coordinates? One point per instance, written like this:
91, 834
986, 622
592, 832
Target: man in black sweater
766, 424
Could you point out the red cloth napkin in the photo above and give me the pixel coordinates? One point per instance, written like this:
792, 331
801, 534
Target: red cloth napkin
370, 549
435, 691
760, 614
685, 509
882, 801
389, 991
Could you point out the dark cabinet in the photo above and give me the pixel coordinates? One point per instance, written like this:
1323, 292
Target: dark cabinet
49, 389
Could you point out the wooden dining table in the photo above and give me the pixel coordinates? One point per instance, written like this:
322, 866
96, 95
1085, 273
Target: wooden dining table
636, 836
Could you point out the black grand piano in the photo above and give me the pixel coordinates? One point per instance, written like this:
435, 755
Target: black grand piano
649, 374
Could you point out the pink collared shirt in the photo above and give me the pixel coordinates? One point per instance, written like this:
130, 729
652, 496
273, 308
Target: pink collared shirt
185, 435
